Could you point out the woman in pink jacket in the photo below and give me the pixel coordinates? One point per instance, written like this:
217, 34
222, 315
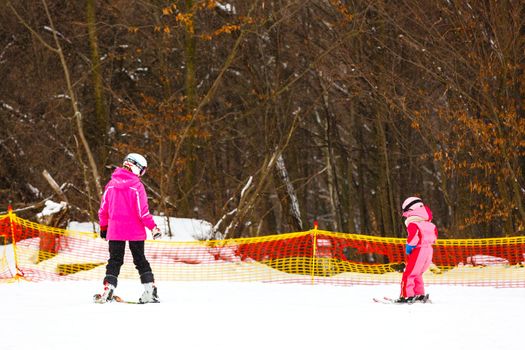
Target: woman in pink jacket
124, 215
422, 234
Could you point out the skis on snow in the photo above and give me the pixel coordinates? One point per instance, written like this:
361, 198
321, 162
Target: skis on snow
386, 300
115, 298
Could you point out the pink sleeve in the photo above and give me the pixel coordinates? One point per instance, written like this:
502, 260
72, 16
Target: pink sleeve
413, 237
429, 213
103, 211
145, 216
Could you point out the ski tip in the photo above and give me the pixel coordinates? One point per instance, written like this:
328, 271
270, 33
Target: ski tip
97, 299
383, 300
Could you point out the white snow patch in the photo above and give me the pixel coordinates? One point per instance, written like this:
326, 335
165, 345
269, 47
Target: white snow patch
228, 8
51, 208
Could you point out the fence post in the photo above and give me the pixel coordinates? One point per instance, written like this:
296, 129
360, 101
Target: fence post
12, 217
314, 253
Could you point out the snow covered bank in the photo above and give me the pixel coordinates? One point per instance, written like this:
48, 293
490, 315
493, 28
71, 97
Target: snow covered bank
173, 229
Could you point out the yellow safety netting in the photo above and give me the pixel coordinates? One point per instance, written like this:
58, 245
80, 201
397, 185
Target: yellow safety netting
35, 252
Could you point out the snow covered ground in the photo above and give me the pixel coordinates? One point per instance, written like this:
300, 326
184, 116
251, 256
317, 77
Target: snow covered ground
247, 316
182, 229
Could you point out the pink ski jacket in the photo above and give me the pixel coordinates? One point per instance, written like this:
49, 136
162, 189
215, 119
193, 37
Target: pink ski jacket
124, 210
421, 232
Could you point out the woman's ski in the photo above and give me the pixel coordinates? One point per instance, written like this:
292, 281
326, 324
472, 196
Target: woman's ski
116, 298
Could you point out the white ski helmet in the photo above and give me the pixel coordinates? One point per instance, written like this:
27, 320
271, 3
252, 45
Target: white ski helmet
410, 203
136, 163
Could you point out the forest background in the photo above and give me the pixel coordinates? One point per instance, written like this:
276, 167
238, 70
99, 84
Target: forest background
262, 116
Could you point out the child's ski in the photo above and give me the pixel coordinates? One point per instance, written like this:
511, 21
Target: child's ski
386, 300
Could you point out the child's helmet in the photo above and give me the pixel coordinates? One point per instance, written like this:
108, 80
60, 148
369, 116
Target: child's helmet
410, 203
136, 163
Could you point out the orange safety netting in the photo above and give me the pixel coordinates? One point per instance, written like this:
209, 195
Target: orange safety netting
36, 252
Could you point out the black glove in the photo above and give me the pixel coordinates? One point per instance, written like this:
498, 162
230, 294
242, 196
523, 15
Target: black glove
156, 233
103, 233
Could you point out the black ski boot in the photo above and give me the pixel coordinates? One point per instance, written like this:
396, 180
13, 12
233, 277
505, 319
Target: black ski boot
423, 298
403, 300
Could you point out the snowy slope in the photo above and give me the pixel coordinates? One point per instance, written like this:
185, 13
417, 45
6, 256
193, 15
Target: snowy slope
220, 315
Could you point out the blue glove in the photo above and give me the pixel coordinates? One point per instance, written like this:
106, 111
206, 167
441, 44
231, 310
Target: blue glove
409, 248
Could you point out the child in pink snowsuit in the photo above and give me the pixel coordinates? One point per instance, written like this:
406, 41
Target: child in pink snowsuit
124, 216
422, 234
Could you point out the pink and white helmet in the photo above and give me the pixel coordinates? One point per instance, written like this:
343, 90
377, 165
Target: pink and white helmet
136, 163
411, 203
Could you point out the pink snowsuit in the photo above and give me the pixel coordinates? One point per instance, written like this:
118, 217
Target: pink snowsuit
422, 234
124, 210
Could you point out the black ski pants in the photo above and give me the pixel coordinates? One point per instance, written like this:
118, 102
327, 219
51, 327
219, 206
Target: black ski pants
117, 249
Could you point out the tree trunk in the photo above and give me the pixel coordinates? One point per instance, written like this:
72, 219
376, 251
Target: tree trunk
100, 120
190, 90
385, 186
288, 197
